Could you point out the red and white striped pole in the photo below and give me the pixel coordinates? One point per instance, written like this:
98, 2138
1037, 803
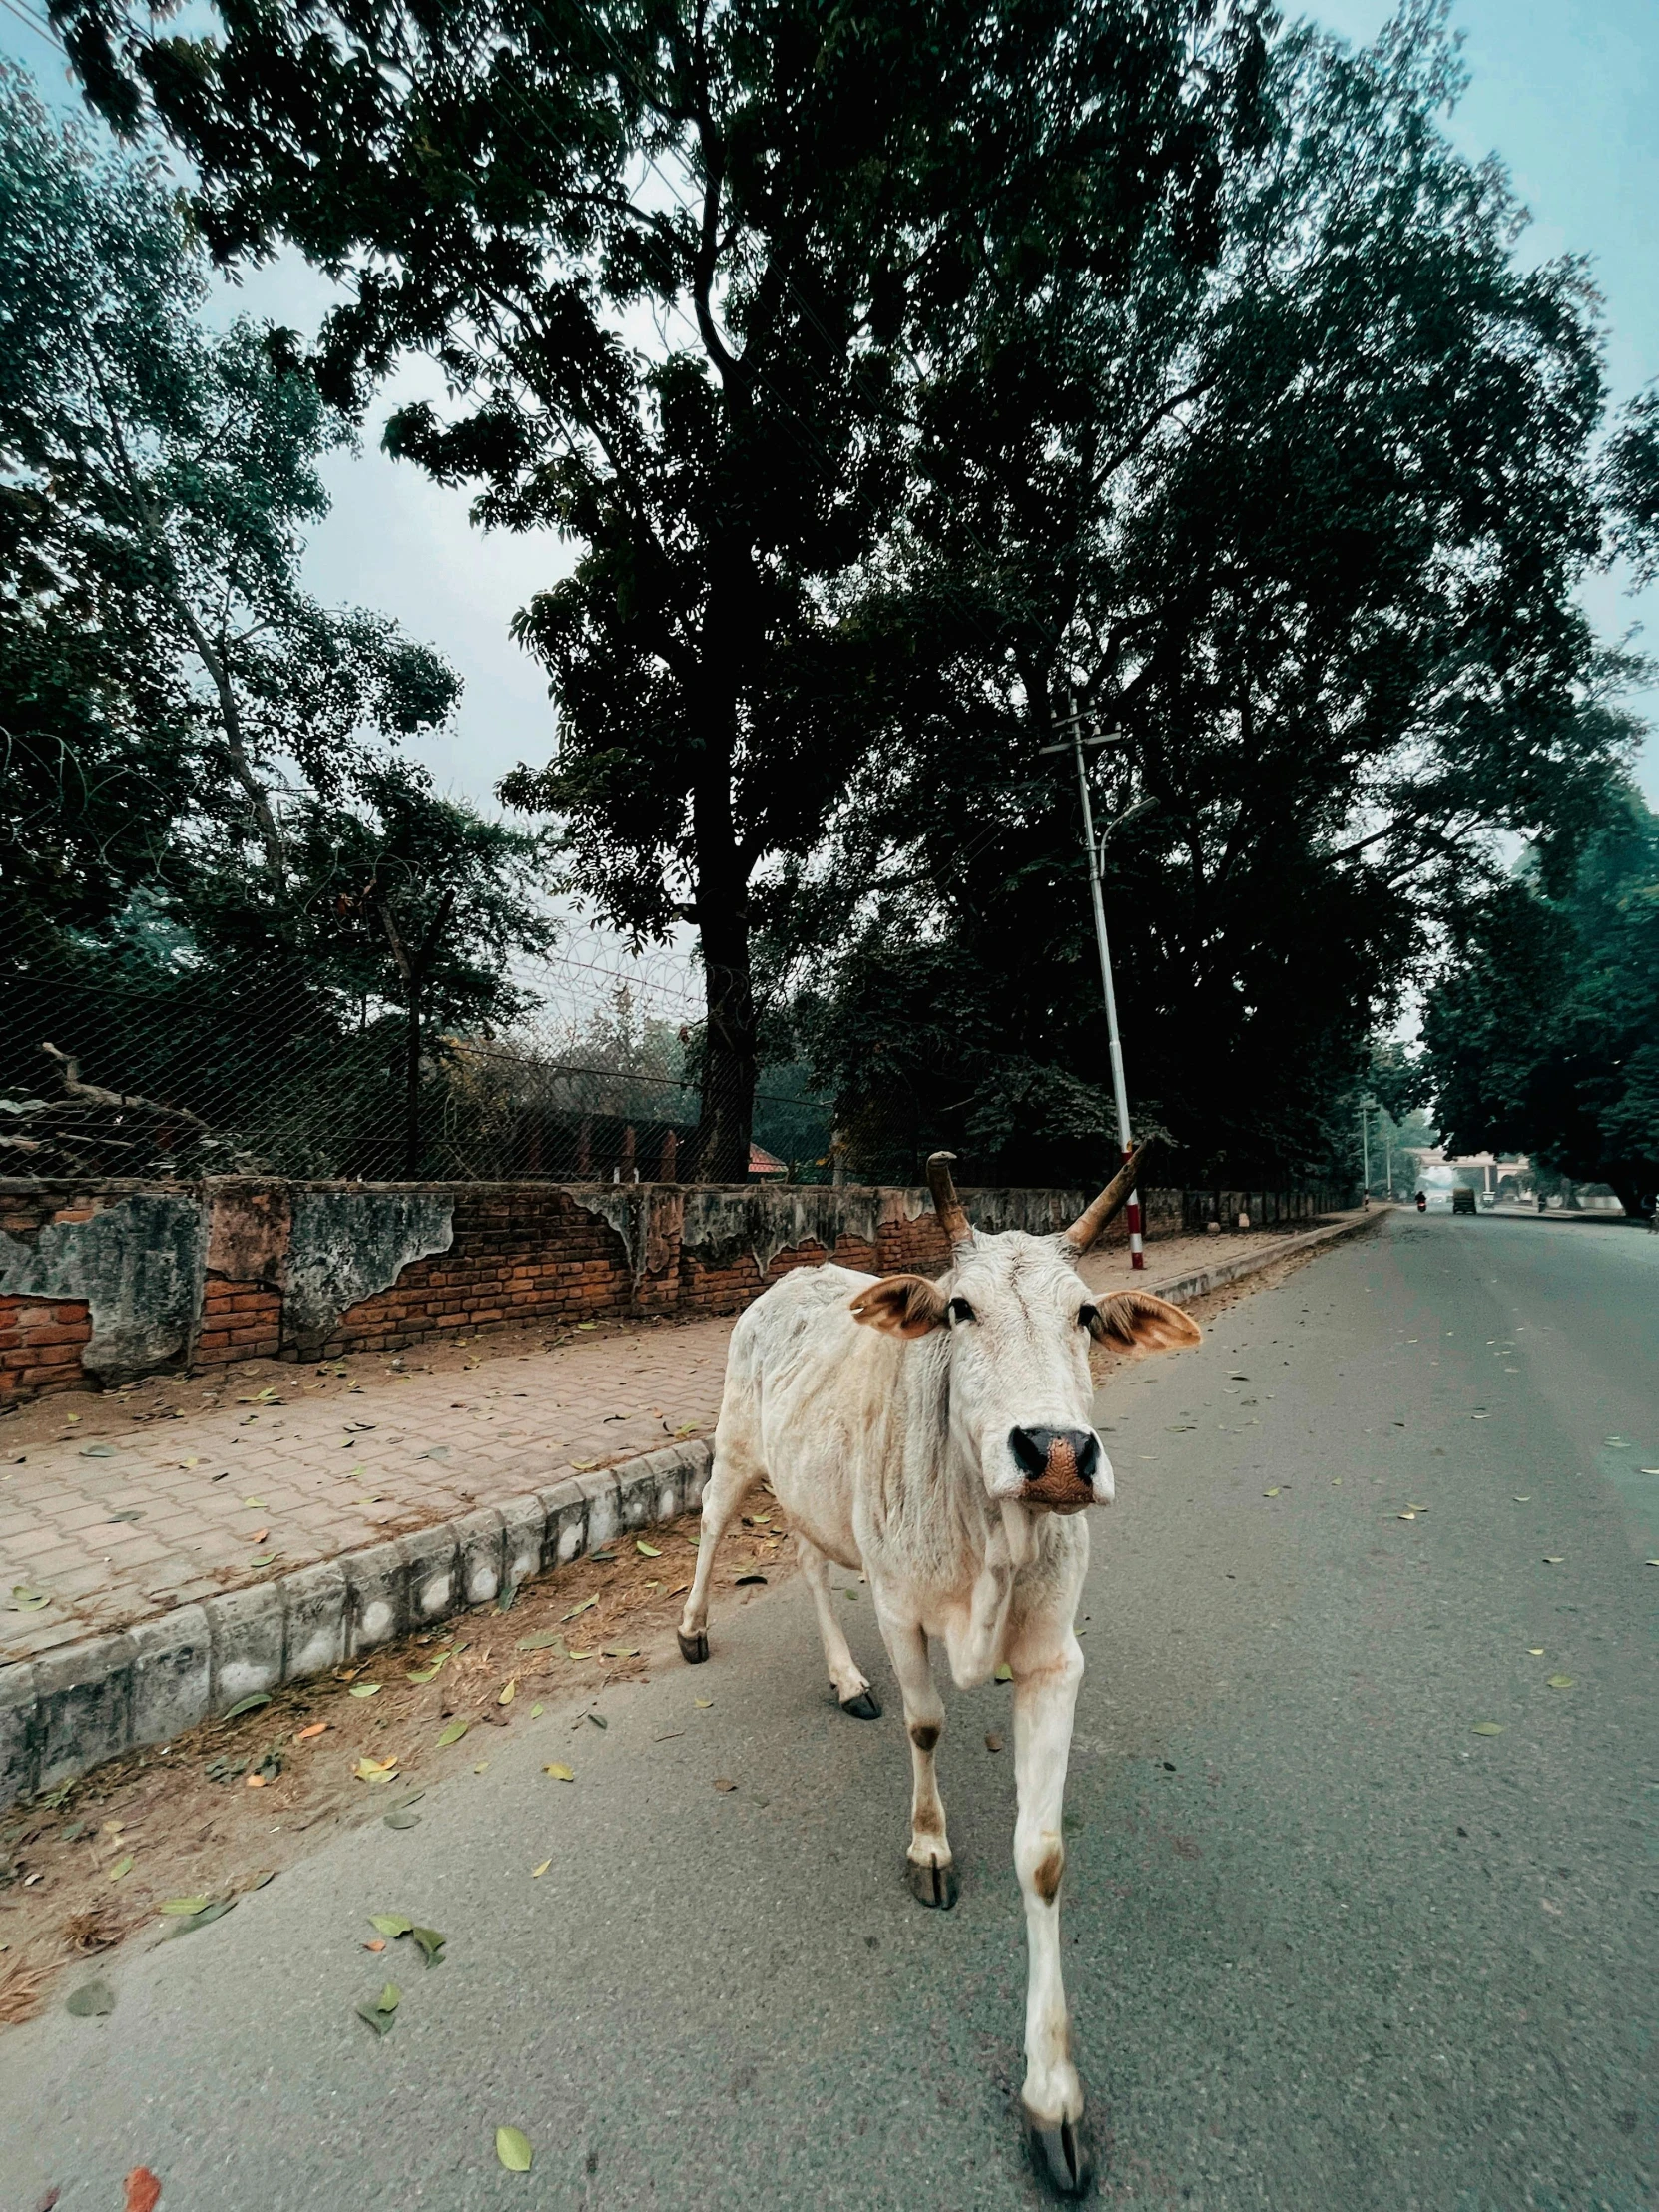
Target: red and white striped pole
1120, 1094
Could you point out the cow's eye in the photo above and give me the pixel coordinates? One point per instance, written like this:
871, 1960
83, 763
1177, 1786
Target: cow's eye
1088, 1317
960, 1310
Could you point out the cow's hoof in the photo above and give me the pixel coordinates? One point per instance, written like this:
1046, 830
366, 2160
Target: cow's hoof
1059, 2156
694, 1649
867, 1706
936, 1886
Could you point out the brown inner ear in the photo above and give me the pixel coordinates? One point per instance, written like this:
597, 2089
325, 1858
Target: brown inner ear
903, 1304
1149, 1323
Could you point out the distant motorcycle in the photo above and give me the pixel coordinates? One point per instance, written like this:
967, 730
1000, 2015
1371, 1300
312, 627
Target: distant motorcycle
1422, 1202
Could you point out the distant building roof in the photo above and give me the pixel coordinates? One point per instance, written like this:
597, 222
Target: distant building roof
761, 1162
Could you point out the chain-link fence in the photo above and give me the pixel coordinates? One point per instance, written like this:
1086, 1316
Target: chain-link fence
198, 1071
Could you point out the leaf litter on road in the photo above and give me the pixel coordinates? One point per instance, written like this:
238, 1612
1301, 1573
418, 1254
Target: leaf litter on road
512, 2147
380, 2011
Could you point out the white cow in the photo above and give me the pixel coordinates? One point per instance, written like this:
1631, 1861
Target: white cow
937, 1436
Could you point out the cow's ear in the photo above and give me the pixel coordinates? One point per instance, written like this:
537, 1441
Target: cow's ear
903, 1304
1148, 1324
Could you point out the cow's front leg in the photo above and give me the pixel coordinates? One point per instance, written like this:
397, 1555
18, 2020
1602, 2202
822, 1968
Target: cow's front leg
932, 1877
849, 1680
1045, 1695
731, 1477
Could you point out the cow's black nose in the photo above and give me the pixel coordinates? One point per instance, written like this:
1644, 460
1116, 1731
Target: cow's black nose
1032, 1446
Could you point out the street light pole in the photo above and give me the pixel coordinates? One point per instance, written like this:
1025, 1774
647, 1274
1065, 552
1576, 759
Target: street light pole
1364, 1141
1114, 1043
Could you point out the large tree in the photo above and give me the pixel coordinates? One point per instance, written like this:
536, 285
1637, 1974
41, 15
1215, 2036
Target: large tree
1542, 1032
675, 260
159, 654
1304, 521
218, 871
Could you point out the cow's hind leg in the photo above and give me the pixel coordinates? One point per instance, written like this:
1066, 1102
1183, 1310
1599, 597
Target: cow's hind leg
733, 1475
851, 1687
932, 1875
1045, 1696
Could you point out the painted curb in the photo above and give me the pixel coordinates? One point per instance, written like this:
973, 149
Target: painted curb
1204, 1280
67, 1712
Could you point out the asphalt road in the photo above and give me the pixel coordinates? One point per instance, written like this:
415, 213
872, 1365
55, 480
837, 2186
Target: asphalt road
1329, 1949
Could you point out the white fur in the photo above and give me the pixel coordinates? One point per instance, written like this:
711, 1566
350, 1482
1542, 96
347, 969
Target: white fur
890, 1455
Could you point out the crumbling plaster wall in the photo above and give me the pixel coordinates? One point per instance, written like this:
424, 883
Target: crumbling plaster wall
238, 1267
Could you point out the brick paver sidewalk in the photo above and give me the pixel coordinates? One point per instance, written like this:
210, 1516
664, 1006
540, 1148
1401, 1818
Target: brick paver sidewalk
118, 1506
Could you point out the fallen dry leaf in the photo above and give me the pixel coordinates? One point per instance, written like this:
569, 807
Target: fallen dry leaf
317, 1728
379, 1944
560, 1772
144, 2191
536, 1872
512, 2145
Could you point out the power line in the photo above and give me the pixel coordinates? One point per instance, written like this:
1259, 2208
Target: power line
37, 24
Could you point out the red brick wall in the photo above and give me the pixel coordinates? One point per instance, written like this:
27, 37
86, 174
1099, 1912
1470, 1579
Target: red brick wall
40, 1345
240, 1321
521, 1254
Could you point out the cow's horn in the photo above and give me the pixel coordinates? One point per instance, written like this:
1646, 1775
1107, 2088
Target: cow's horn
946, 1203
1093, 1219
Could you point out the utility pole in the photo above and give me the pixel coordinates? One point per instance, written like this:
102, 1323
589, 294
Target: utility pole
1114, 1043
1365, 1140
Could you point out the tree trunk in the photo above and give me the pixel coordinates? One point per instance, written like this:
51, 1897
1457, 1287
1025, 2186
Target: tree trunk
411, 1089
720, 1150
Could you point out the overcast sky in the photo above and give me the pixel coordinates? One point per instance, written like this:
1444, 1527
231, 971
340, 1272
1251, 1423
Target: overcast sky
1566, 91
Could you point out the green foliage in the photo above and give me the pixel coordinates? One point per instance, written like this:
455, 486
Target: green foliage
800, 197
1543, 1035
163, 663
1304, 521
199, 784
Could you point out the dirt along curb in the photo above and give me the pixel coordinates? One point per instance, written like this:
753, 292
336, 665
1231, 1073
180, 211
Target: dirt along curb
1201, 1281
71, 1710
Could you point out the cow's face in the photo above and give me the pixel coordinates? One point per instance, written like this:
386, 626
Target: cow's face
1020, 1321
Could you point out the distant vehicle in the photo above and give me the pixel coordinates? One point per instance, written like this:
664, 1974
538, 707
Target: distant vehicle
1462, 1200
1422, 1202
1487, 1200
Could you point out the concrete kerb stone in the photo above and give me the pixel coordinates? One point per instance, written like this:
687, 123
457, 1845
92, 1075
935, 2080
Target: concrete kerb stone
247, 1635
478, 1546
523, 1540
172, 1674
86, 1706
565, 1512
376, 1604
604, 1495
19, 1733
431, 1557
315, 1601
